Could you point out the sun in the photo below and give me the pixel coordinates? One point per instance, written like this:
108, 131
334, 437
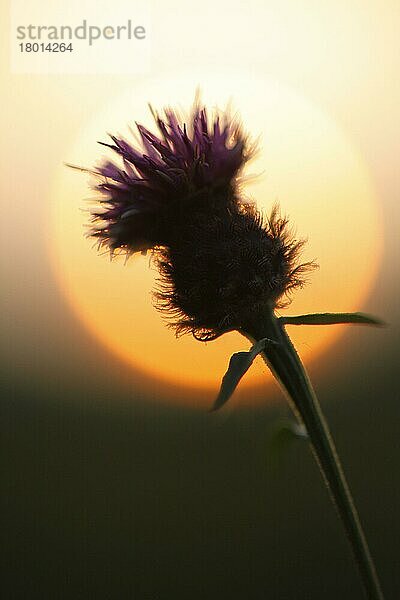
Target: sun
305, 162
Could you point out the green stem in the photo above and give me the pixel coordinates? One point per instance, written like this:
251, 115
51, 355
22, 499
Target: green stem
287, 367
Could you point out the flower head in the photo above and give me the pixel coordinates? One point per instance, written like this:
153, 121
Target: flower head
226, 269
182, 169
178, 194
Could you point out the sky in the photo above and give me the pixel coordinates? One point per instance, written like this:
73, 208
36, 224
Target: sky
332, 58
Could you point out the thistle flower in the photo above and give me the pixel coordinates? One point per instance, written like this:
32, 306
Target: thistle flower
222, 266
186, 170
179, 194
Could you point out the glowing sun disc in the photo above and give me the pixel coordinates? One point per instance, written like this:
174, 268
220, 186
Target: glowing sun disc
305, 163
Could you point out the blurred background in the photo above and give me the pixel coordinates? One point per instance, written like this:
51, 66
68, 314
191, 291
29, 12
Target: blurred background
114, 486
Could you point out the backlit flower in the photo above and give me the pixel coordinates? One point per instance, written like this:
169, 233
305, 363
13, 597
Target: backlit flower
178, 194
223, 267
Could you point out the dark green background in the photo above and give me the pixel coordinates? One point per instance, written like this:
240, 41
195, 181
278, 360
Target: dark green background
107, 495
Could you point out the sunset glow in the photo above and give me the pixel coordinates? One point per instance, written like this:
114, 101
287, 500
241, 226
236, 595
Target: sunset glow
305, 163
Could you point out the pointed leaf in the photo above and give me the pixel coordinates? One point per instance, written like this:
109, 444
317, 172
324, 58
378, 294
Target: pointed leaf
331, 319
239, 364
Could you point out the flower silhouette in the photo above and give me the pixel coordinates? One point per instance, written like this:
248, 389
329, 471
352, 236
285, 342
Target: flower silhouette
222, 265
178, 194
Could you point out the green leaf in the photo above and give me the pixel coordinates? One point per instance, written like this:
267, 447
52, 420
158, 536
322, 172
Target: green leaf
239, 364
331, 319
281, 438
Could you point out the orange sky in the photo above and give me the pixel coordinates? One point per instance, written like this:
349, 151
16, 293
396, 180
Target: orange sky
333, 56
